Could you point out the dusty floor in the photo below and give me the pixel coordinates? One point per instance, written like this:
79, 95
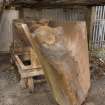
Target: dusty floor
12, 94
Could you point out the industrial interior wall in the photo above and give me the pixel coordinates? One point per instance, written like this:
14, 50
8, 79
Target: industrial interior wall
59, 15
6, 34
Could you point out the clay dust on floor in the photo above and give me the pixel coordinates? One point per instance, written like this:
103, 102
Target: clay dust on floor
12, 94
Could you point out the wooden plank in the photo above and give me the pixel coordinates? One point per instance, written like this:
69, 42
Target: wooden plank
30, 84
23, 83
66, 65
20, 32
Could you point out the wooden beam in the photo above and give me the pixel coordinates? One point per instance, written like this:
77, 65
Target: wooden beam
56, 3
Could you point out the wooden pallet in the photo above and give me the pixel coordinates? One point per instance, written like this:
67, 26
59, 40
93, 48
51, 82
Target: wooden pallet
27, 71
22, 52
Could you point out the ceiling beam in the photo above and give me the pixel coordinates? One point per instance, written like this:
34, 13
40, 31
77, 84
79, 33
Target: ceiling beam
56, 3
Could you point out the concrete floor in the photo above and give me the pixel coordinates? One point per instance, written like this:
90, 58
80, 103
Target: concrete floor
12, 94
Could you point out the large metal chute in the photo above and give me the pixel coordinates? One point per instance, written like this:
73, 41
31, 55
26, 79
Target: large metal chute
63, 53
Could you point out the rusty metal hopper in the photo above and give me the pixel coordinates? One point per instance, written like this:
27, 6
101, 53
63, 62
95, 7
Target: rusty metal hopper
63, 53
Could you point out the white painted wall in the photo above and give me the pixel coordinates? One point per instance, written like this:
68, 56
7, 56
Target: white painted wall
6, 35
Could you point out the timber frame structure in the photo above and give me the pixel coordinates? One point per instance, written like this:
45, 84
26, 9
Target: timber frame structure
53, 3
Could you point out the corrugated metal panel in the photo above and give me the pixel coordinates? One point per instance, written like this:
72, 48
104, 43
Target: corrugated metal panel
58, 15
98, 28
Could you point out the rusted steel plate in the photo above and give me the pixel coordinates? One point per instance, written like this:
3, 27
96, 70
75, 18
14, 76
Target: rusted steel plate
63, 53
